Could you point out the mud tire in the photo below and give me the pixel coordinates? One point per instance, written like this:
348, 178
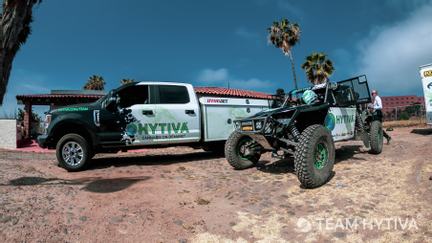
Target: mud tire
232, 152
313, 140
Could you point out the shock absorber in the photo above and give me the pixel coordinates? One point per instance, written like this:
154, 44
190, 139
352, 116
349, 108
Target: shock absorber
360, 130
359, 127
294, 132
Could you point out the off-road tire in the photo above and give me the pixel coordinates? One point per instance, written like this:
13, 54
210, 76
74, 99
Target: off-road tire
305, 156
87, 152
376, 137
232, 154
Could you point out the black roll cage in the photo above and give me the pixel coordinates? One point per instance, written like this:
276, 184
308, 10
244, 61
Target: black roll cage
362, 80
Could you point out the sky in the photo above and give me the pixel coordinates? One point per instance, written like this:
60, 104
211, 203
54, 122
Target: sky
216, 43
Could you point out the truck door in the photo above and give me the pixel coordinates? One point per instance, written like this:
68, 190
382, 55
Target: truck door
170, 116
132, 102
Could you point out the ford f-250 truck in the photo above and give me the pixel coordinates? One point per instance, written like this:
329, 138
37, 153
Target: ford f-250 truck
143, 114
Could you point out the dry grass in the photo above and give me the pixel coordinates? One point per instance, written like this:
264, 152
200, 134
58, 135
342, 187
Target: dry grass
405, 123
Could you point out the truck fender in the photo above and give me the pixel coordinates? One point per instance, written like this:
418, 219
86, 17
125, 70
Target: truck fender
72, 125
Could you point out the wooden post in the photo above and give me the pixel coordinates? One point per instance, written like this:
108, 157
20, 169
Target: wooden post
27, 119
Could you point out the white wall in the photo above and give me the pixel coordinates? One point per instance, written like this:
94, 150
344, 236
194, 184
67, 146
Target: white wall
8, 133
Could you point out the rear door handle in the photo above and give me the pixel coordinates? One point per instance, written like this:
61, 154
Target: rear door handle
190, 112
147, 112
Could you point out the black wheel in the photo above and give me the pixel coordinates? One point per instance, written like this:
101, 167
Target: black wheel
73, 152
376, 137
314, 156
241, 151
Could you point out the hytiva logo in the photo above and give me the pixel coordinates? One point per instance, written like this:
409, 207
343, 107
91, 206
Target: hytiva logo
330, 121
344, 119
151, 128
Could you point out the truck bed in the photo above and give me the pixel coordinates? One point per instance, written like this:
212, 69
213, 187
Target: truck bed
220, 112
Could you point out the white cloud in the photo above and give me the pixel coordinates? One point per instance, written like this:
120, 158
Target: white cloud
213, 75
391, 55
407, 5
221, 77
252, 83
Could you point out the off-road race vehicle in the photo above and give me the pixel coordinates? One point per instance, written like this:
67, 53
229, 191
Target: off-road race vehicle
306, 127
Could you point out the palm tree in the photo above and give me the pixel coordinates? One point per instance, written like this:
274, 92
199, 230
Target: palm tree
126, 81
15, 22
284, 35
318, 68
95, 82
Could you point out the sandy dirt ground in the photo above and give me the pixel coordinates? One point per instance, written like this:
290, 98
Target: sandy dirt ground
185, 195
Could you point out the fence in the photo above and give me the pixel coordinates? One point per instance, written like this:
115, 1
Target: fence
408, 112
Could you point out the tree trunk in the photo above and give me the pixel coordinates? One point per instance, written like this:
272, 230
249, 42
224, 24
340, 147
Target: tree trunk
5, 68
293, 69
14, 29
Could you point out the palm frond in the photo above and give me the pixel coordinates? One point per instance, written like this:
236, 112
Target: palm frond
318, 67
95, 82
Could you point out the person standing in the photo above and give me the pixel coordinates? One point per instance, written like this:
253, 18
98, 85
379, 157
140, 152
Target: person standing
279, 98
377, 106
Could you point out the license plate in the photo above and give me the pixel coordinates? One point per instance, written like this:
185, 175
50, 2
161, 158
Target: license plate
247, 128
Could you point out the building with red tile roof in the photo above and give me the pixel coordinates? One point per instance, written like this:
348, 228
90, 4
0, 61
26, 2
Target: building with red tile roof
392, 102
218, 91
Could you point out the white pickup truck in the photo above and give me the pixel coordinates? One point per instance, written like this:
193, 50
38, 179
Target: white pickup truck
146, 114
